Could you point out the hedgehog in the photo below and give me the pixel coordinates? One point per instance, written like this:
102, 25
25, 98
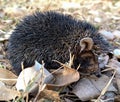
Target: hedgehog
48, 36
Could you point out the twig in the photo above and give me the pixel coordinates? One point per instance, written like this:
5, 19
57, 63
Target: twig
2, 79
71, 60
106, 87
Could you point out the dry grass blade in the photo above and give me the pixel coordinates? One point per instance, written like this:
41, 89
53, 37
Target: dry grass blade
3, 79
106, 87
41, 83
71, 60
63, 65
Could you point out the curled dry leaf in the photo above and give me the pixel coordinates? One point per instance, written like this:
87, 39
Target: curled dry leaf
7, 77
87, 89
8, 94
32, 75
66, 76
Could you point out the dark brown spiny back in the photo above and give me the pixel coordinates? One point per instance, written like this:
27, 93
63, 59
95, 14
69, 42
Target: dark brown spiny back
49, 36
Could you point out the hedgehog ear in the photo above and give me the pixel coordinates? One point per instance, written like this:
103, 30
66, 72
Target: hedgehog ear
86, 44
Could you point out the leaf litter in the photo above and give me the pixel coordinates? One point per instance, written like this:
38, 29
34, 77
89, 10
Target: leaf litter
104, 14
32, 81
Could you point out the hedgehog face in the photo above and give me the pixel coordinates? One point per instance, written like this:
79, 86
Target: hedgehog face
85, 59
86, 62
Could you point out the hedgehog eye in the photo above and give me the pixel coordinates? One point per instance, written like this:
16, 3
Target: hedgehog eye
96, 49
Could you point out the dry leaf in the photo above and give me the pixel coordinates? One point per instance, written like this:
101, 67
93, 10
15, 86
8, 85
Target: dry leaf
8, 94
2, 84
32, 75
49, 94
7, 76
108, 96
87, 89
66, 76
68, 100
116, 66
117, 98
117, 78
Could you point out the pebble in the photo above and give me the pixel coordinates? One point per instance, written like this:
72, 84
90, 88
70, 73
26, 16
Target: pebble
107, 34
97, 19
116, 53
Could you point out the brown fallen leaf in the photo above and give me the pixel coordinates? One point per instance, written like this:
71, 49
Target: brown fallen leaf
7, 77
49, 94
8, 94
117, 98
87, 88
65, 76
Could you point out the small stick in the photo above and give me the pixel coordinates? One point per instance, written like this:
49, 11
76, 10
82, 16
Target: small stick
3, 79
106, 87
